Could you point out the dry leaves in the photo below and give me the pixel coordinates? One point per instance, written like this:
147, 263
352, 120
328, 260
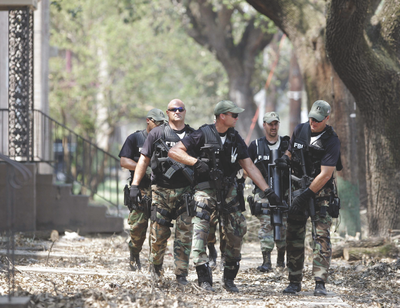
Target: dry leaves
370, 283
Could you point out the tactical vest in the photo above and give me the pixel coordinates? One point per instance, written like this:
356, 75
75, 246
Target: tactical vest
226, 154
264, 152
158, 164
313, 153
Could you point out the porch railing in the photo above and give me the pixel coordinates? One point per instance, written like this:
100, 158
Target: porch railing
74, 159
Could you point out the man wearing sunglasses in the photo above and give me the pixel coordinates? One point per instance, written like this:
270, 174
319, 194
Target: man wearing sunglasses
315, 144
219, 150
261, 153
129, 156
170, 186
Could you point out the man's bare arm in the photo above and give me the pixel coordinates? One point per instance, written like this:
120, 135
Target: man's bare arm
140, 169
322, 178
179, 154
253, 172
128, 163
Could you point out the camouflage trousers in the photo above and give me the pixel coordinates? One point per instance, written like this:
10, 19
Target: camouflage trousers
233, 225
138, 222
212, 239
322, 252
266, 231
170, 200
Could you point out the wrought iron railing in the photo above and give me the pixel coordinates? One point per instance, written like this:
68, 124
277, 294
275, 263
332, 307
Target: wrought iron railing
74, 159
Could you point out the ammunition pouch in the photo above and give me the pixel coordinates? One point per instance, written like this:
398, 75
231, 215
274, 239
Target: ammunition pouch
127, 198
165, 221
205, 211
334, 206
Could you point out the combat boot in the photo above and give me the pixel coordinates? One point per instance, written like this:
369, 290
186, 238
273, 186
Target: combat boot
229, 276
266, 266
280, 262
320, 289
212, 256
181, 280
293, 288
156, 269
134, 261
204, 276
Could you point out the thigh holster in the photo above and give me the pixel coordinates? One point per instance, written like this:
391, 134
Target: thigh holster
165, 221
205, 211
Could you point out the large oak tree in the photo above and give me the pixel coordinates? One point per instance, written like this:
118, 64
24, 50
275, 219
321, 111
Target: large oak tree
236, 36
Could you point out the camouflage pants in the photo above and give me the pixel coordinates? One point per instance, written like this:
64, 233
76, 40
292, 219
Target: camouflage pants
233, 224
322, 252
169, 200
138, 222
212, 239
266, 232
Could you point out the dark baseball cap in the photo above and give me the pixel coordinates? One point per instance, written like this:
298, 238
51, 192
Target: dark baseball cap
156, 115
320, 110
227, 106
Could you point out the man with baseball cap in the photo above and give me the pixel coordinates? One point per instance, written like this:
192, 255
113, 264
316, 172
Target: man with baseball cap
262, 151
315, 145
129, 156
219, 152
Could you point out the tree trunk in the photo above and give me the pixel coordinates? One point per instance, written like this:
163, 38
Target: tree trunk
241, 93
357, 253
373, 77
296, 87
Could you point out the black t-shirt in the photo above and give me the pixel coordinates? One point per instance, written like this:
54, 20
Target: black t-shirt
178, 180
195, 141
132, 147
331, 146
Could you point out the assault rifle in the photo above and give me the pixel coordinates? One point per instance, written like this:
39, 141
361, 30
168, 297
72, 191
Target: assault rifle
216, 175
273, 177
277, 210
175, 166
305, 182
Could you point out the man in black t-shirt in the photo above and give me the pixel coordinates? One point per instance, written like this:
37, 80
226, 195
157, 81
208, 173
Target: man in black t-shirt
263, 151
221, 153
315, 143
170, 187
129, 156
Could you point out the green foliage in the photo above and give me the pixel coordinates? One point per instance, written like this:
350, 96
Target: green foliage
127, 57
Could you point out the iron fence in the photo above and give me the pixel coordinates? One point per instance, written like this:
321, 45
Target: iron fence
74, 159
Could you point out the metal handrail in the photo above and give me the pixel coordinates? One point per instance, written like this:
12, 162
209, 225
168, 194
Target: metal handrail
75, 160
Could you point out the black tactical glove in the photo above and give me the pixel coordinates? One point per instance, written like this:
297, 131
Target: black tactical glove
201, 167
300, 203
135, 194
283, 162
271, 196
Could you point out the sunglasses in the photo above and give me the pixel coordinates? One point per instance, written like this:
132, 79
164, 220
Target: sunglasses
158, 123
233, 115
316, 121
175, 109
